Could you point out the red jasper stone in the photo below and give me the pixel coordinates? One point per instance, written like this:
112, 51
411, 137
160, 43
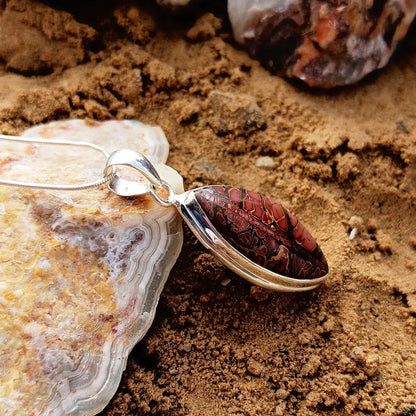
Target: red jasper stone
263, 231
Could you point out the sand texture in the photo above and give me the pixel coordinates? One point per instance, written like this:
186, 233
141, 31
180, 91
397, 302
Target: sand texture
340, 160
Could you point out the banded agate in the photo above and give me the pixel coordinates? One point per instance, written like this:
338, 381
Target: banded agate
81, 271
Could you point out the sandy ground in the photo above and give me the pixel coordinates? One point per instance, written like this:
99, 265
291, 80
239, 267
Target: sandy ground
339, 160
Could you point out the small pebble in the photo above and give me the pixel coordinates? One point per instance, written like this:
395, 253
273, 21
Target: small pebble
282, 394
254, 367
353, 233
265, 162
226, 281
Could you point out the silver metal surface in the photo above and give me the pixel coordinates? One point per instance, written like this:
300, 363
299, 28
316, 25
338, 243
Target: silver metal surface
135, 160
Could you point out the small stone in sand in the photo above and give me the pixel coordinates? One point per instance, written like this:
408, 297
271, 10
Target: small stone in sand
265, 162
254, 367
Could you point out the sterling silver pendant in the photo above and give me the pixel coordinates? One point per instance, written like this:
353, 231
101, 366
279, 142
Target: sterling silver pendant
255, 237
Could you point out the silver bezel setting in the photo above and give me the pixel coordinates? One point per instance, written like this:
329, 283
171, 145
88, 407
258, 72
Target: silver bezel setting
206, 233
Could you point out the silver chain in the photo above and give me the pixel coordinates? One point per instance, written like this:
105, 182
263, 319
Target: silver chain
106, 178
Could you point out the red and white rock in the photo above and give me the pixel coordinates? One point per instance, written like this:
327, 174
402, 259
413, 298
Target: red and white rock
325, 44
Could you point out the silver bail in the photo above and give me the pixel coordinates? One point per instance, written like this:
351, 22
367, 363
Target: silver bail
136, 160
139, 162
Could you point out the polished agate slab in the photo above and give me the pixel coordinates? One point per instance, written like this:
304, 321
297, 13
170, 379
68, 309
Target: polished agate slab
81, 271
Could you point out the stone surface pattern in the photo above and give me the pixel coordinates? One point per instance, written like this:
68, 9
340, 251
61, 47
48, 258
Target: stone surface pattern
325, 44
81, 271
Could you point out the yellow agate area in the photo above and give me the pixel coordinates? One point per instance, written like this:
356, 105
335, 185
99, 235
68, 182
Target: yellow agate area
53, 298
80, 272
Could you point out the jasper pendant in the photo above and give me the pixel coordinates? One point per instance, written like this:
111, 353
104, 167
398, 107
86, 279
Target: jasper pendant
252, 235
255, 237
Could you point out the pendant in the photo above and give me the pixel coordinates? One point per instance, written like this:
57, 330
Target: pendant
253, 236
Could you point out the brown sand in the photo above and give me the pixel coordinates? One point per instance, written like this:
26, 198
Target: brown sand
343, 159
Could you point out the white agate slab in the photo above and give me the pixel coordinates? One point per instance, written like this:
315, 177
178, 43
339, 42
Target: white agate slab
81, 272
